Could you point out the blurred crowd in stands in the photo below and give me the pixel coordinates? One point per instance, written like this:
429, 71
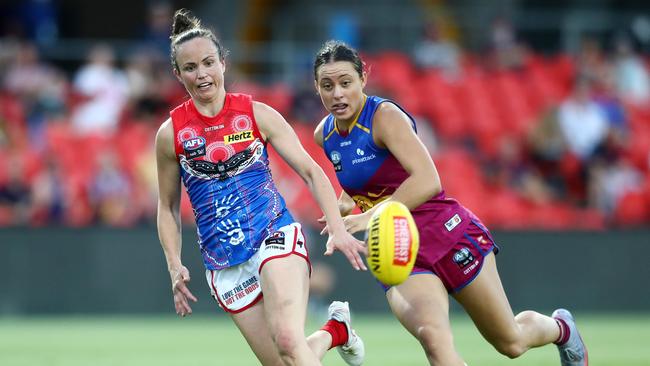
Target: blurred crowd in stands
525, 140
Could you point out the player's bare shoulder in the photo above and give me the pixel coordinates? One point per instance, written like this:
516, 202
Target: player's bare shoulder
165, 138
267, 119
389, 115
389, 121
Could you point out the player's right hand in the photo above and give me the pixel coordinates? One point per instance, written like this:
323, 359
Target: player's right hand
350, 246
180, 278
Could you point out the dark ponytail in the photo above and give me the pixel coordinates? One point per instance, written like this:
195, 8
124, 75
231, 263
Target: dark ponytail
187, 27
183, 21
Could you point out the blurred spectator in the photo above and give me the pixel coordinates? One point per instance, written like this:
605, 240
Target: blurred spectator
139, 74
609, 101
15, 196
35, 20
40, 88
105, 89
547, 149
148, 87
4, 133
506, 51
582, 122
610, 182
435, 50
511, 169
8, 50
110, 193
306, 106
632, 80
146, 183
155, 37
591, 62
48, 195
584, 128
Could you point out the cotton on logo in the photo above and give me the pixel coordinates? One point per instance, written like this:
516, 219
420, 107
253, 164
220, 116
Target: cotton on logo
360, 152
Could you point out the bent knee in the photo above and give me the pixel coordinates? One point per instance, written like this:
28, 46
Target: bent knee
511, 349
287, 342
438, 343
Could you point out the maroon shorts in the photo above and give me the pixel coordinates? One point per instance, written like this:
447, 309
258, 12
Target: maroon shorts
463, 261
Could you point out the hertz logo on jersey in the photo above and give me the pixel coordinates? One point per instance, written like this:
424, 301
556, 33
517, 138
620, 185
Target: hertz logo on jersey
238, 137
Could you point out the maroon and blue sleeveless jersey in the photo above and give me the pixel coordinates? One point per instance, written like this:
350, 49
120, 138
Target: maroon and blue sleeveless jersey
370, 174
225, 169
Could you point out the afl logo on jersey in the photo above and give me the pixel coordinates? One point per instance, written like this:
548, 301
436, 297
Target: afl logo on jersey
194, 147
335, 157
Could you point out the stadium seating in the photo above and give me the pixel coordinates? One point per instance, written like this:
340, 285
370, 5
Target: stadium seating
470, 114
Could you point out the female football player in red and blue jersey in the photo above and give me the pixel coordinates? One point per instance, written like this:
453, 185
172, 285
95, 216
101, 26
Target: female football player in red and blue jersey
377, 155
257, 265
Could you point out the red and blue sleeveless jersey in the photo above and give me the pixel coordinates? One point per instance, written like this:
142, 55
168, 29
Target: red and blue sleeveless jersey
225, 170
370, 174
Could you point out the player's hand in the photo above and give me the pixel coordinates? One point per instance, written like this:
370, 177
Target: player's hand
354, 223
349, 246
357, 223
180, 278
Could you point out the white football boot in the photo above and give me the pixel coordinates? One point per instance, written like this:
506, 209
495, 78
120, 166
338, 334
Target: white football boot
353, 351
574, 351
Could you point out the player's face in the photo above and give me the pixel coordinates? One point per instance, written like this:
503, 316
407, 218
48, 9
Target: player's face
200, 69
341, 89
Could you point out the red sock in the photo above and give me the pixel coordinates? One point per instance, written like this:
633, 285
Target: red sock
338, 331
564, 332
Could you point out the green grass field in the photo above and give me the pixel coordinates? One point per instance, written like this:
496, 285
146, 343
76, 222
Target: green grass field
204, 340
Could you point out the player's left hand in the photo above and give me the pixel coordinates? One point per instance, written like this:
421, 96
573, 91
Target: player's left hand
349, 246
180, 278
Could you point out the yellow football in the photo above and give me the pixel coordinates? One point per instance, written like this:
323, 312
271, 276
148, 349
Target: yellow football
393, 243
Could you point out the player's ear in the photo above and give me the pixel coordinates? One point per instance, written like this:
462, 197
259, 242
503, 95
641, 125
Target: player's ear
364, 79
177, 74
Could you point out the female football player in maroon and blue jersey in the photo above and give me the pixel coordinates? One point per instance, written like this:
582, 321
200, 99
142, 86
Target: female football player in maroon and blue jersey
257, 265
377, 155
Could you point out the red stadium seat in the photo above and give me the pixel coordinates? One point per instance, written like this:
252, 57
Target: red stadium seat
590, 219
562, 69
11, 110
133, 141
483, 121
632, 210
506, 210
461, 178
552, 216
389, 70
439, 102
510, 99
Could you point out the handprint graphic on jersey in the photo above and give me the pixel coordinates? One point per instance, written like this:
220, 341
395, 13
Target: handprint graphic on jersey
232, 230
225, 206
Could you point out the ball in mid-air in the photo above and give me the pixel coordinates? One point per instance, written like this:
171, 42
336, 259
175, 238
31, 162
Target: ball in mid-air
393, 243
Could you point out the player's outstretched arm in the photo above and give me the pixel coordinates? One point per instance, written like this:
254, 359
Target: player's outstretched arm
168, 220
